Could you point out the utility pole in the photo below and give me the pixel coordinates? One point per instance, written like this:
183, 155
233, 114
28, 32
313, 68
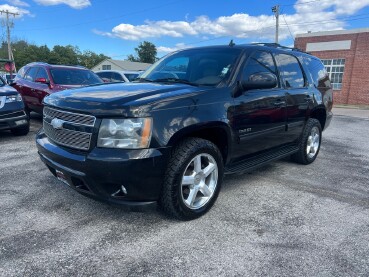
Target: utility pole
9, 25
275, 10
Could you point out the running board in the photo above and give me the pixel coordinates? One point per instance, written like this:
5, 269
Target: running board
260, 160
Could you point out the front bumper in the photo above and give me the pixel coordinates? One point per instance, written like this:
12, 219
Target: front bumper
101, 173
13, 120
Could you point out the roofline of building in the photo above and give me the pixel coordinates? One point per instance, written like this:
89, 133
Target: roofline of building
332, 33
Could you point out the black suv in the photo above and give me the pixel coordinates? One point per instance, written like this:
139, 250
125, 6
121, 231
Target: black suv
195, 115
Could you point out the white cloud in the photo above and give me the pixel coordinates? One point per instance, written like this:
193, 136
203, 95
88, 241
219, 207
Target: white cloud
21, 12
18, 3
307, 17
75, 4
164, 49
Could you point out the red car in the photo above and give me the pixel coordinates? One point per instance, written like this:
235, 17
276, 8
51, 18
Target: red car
36, 80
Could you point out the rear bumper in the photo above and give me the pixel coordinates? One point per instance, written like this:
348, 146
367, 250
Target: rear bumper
101, 173
328, 120
13, 120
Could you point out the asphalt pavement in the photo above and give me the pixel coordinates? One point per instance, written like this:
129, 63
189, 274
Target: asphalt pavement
284, 219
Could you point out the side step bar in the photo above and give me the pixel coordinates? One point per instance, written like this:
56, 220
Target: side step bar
260, 160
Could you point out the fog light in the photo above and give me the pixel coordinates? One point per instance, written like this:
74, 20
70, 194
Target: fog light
123, 189
20, 122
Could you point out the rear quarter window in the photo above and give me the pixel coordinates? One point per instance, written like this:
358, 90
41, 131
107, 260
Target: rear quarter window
318, 72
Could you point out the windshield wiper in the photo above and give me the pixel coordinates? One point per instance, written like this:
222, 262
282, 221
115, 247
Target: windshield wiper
175, 80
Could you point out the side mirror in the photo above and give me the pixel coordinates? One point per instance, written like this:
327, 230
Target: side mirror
261, 80
42, 80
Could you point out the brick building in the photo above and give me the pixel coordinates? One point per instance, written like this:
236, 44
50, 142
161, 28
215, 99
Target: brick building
345, 55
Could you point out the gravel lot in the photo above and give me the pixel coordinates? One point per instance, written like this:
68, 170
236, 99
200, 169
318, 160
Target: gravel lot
282, 220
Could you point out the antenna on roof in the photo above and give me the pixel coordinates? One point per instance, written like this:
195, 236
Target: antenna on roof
231, 43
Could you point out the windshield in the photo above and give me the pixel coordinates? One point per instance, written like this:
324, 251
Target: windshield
65, 76
204, 66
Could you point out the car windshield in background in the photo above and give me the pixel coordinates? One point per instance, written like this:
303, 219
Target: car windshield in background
201, 67
131, 76
63, 76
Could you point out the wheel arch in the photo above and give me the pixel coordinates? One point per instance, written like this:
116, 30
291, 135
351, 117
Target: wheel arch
320, 114
217, 132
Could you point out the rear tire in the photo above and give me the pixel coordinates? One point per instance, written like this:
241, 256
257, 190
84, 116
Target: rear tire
193, 179
310, 143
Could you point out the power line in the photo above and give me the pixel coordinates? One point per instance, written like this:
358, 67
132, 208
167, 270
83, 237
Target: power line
345, 19
288, 28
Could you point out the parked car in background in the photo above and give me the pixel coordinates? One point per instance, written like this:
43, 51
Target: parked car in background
36, 80
12, 114
9, 78
113, 76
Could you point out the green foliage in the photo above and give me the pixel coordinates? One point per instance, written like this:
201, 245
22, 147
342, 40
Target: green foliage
146, 53
25, 52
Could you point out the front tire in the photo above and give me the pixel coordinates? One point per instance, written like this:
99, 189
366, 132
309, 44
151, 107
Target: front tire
193, 179
310, 142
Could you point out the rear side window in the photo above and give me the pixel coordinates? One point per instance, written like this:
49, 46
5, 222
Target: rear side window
31, 74
290, 70
318, 72
259, 62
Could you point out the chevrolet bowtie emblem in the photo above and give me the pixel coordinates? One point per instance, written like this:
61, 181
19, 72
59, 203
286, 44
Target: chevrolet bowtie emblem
57, 123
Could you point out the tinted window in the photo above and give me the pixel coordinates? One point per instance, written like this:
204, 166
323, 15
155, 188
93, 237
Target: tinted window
31, 74
257, 63
115, 77
318, 72
21, 72
290, 71
64, 76
42, 74
131, 76
104, 75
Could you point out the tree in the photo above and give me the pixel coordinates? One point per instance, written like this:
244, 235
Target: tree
146, 53
25, 53
89, 59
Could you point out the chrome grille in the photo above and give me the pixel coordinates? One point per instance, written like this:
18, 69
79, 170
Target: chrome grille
67, 137
75, 118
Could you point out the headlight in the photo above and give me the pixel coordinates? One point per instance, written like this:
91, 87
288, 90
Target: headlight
129, 133
13, 98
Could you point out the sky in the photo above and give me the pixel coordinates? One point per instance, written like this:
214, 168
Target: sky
115, 28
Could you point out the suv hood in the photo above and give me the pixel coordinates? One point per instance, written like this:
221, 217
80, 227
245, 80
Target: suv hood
7, 90
114, 99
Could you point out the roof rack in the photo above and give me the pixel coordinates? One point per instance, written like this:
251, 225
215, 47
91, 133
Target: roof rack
276, 45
